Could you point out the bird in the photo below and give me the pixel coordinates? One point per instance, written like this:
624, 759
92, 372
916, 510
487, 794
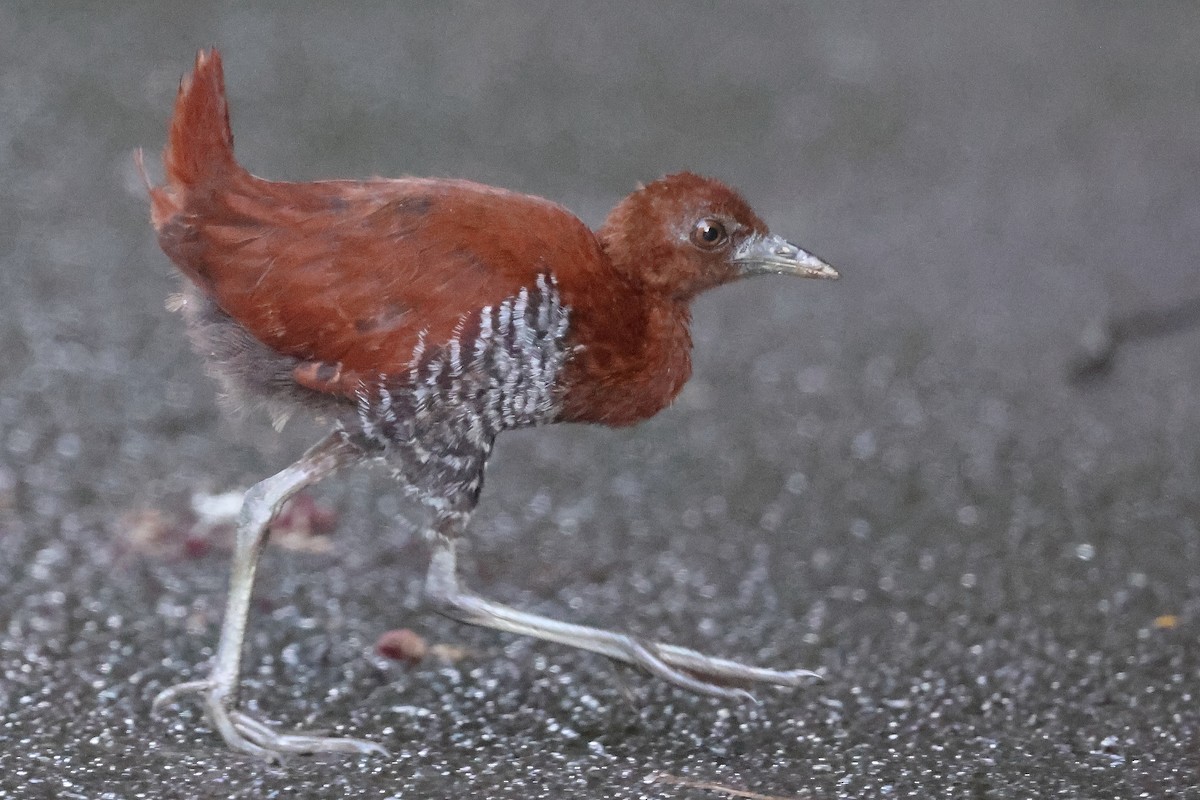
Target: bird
420, 318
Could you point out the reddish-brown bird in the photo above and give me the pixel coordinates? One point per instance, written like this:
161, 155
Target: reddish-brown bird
424, 317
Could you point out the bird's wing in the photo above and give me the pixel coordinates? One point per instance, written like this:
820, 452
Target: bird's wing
351, 277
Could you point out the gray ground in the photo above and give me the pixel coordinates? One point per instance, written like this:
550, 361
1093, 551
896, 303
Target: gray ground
887, 479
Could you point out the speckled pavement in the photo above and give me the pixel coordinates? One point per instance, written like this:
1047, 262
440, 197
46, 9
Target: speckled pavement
887, 479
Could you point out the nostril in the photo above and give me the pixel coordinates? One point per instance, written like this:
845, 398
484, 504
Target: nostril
786, 250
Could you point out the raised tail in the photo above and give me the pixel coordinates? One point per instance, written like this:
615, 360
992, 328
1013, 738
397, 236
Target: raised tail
199, 151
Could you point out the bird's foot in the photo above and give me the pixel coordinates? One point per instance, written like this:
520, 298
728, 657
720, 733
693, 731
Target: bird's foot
249, 735
686, 668
694, 671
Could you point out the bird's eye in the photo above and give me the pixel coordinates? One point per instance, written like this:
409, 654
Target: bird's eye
709, 234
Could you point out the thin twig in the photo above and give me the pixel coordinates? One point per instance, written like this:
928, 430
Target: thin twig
1100, 339
662, 777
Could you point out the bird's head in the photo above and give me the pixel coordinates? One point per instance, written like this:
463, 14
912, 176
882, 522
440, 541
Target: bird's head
683, 234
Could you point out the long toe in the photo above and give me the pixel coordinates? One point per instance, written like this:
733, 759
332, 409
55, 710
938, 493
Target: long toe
723, 673
272, 740
647, 656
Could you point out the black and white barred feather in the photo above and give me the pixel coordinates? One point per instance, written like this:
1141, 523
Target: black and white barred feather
500, 370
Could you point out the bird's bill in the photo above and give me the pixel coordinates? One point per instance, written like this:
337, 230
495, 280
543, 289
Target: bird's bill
774, 255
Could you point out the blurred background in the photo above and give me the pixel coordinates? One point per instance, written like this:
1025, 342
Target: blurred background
890, 479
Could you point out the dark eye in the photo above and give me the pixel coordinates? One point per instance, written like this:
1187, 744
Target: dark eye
709, 234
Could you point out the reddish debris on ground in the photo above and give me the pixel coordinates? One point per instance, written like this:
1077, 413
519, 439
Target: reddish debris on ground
402, 645
412, 648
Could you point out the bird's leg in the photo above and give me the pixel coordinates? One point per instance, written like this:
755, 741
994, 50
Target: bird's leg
219, 690
681, 666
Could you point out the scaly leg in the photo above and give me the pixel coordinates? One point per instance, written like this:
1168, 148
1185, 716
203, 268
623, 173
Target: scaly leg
219, 690
681, 666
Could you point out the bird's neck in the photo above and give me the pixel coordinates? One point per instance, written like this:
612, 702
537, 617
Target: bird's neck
634, 355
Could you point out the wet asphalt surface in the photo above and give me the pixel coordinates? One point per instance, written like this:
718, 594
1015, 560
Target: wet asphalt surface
887, 479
